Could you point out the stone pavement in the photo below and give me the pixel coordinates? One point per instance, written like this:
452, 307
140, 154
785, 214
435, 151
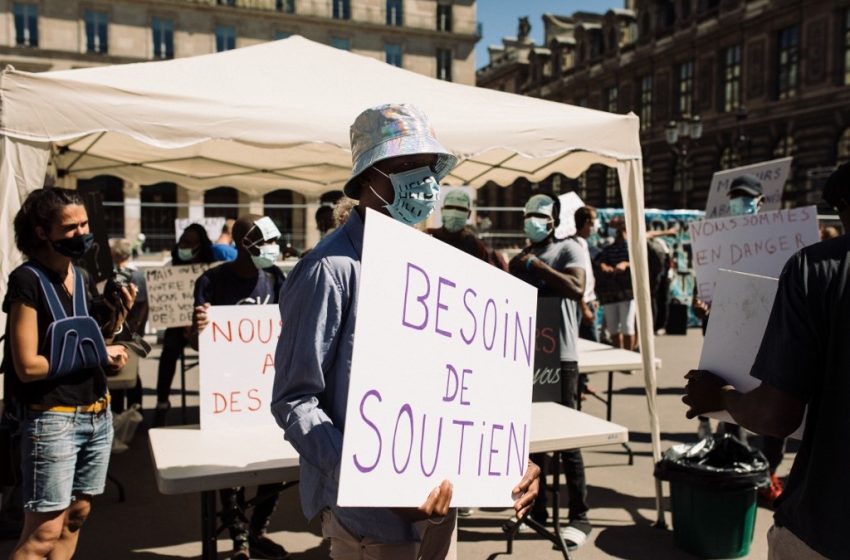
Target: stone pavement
151, 526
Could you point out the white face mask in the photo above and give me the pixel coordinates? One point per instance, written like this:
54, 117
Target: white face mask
454, 220
267, 257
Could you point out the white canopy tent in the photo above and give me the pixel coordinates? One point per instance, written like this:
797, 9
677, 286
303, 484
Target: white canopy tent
276, 115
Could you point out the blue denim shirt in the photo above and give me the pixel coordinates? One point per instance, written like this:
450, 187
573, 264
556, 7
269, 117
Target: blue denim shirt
318, 307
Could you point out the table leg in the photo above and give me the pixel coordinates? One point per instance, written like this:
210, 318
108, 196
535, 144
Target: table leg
556, 505
183, 388
610, 403
209, 546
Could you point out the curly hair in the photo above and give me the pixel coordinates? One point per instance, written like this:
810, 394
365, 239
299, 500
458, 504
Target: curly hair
41, 208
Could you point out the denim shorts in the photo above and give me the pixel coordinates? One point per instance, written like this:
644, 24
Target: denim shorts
63, 454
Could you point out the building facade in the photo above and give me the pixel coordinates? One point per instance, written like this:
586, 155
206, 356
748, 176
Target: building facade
432, 37
767, 78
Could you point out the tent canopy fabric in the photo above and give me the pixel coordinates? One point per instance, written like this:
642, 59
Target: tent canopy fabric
228, 119
276, 115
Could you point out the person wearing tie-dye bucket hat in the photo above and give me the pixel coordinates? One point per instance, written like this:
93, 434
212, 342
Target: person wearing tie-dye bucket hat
398, 164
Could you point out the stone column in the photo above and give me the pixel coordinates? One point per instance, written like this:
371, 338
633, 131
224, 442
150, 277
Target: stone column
311, 232
253, 202
132, 210
196, 205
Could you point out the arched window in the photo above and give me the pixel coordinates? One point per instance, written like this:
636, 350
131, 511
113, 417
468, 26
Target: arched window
645, 24
843, 155
288, 211
222, 202
612, 187
612, 40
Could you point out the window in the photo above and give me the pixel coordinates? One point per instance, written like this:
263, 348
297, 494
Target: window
729, 159
285, 6
646, 103
341, 43
444, 64
393, 54
732, 78
847, 47
226, 2
788, 52
581, 186
97, 24
786, 147
341, 9
225, 38
163, 38
686, 87
444, 17
611, 95
843, 147
612, 187
394, 12
26, 25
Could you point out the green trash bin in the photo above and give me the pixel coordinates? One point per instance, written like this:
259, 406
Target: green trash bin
713, 487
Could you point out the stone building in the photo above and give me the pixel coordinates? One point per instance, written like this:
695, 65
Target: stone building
432, 37
767, 78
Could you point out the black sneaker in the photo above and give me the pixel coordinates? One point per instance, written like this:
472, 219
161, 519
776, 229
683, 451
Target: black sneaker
264, 547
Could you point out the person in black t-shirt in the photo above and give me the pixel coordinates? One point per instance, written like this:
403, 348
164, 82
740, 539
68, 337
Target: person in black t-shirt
57, 388
194, 246
802, 362
251, 279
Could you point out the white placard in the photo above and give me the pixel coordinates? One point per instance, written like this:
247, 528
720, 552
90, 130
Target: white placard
237, 366
756, 243
772, 175
570, 202
171, 294
441, 375
212, 225
739, 317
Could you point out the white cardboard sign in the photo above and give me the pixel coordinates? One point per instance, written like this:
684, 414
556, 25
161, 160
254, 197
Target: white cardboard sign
171, 294
755, 243
739, 317
772, 175
441, 375
212, 225
237, 366
570, 202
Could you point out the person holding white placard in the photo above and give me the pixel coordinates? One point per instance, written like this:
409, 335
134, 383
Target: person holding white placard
556, 267
398, 164
802, 362
251, 279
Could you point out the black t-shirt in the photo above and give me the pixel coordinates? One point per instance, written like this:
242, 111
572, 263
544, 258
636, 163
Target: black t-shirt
80, 388
806, 352
222, 286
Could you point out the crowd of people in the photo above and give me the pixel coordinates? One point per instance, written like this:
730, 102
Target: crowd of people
64, 337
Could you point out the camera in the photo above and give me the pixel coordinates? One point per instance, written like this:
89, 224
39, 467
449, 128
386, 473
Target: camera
112, 289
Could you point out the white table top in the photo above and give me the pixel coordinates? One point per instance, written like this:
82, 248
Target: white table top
594, 357
187, 460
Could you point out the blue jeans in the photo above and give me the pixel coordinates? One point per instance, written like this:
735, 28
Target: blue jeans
63, 454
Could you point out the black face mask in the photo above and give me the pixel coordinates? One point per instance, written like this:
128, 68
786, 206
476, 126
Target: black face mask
74, 247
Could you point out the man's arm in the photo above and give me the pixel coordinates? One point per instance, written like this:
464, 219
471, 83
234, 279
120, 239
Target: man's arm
765, 410
311, 309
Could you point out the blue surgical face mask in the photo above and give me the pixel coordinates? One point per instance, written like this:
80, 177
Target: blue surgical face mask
741, 205
185, 254
416, 194
537, 229
454, 220
267, 257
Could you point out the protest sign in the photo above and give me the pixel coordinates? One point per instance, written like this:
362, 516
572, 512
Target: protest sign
171, 294
441, 374
237, 366
755, 243
771, 174
739, 316
547, 355
570, 202
212, 225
